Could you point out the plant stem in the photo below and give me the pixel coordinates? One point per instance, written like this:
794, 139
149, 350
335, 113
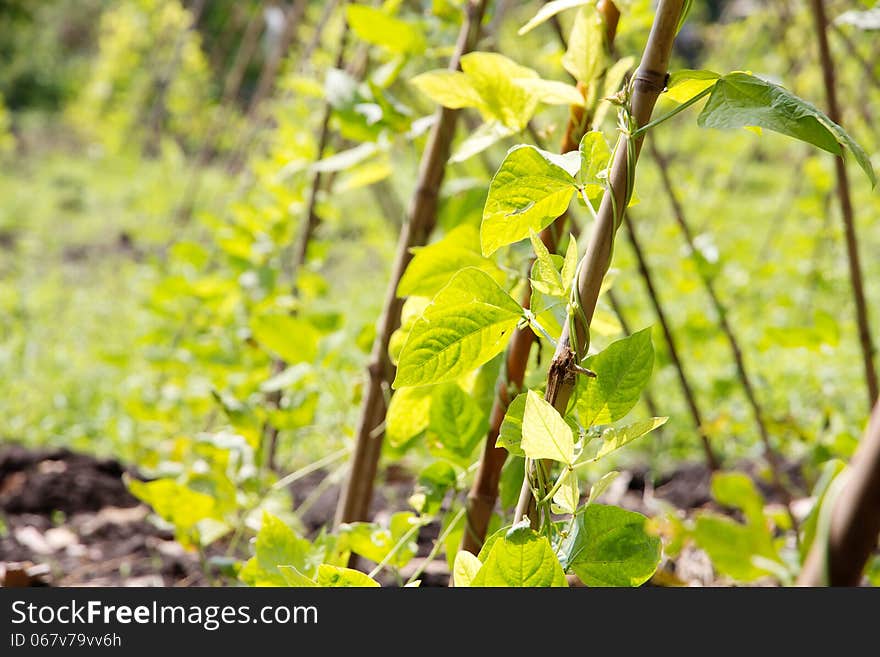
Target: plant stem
855, 522
846, 208
726, 328
648, 83
438, 545
687, 391
356, 495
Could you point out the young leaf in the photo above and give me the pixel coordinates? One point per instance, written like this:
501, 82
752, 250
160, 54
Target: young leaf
731, 546
374, 542
737, 491
610, 547
407, 415
278, 545
548, 11
545, 435
292, 339
457, 420
529, 191
175, 503
510, 435
465, 569
622, 370
585, 56
522, 557
494, 77
337, 576
595, 155
601, 486
378, 28
569, 265
740, 100
451, 89
433, 266
545, 275
551, 92
613, 439
467, 324
567, 497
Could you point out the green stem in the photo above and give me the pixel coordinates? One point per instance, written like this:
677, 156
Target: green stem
641, 131
393, 552
438, 544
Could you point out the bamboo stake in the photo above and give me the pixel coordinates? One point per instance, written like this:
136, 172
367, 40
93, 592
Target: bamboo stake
854, 522
648, 83
354, 501
846, 209
483, 494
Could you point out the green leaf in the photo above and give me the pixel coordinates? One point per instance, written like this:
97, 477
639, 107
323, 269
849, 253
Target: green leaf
595, 156
551, 92
530, 190
337, 576
467, 324
585, 56
433, 483
685, 84
457, 421
567, 497
291, 339
732, 546
494, 78
737, 491
622, 371
601, 486
278, 545
545, 435
545, 274
613, 439
569, 265
374, 542
293, 577
521, 558
610, 547
740, 100
548, 11
451, 89
510, 435
465, 569
433, 266
511, 482
378, 28
408, 415
480, 139
176, 503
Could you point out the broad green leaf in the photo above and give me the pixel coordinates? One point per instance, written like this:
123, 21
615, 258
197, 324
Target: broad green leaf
408, 415
548, 11
545, 435
545, 274
685, 84
293, 577
457, 421
613, 439
601, 486
510, 435
467, 324
175, 503
741, 100
278, 545
595, 156
737, 490
433, 266
567, 497
451, 89
378, 28
465, 569
337, 576
529, 191
494, 77
551, 92
610, 547
292, 339
413, 307
732, 546
622, 371
585, 56
521, 558
511, 481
